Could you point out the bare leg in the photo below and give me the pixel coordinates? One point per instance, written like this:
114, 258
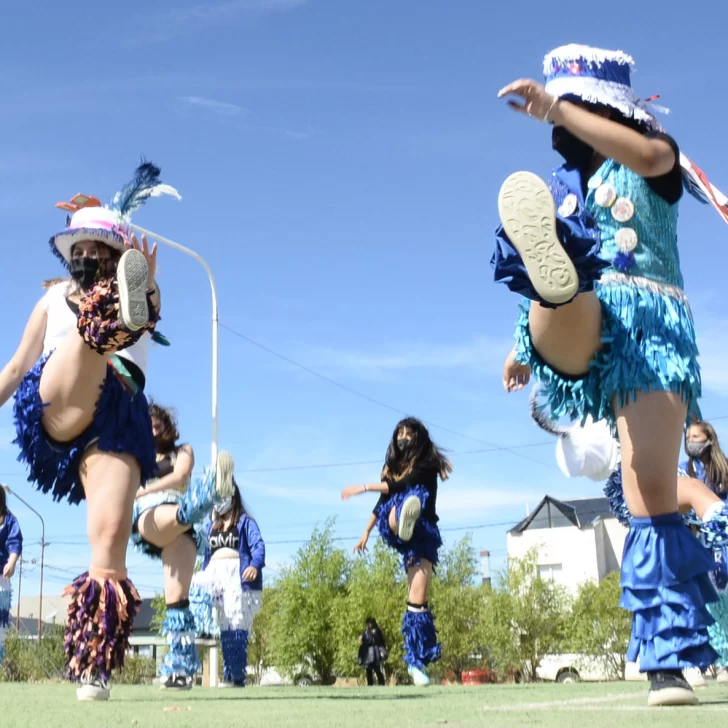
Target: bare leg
179, 564
650, 433
694, 494
567, 337
111, 482
70, 385
160, 527
418, 581
393, 520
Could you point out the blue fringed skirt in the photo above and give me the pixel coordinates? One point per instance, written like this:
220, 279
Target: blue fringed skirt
121, 425
649, 345
426, 540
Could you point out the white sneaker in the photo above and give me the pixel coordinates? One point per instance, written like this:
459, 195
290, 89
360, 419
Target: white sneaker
419, 678
694, 677
528, 214
92, 689
408, 515
132, 275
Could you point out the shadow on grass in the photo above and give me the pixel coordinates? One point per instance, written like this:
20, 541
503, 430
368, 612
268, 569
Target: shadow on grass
252, 697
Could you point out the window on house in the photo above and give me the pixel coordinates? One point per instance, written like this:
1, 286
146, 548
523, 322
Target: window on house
550, 571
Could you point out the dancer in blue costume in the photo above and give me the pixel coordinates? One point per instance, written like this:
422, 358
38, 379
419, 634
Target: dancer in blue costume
706, 460
406, 516
231, 581
164, 527
608, 331
11, 549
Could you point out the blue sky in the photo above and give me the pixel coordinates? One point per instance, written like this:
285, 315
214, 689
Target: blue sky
339, 164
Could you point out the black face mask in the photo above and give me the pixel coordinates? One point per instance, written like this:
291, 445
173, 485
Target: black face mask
571, 148
404, 443
84, 271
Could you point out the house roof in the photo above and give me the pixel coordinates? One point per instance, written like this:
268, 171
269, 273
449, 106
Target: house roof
581, 513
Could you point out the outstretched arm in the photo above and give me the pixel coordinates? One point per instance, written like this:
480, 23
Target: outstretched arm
353, 490
361, 545
644, 156
27, 353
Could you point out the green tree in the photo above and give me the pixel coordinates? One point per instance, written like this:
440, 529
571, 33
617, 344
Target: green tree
376, 588
259, 646
524, 618
455, 598
599, 628
309, 593
159, 605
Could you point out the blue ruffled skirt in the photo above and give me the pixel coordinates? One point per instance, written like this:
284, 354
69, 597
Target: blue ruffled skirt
121, 424
649, 345
666, 585
426, 540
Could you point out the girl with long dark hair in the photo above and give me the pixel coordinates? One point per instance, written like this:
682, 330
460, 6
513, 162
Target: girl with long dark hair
406, 516
160, 533
372, 651
11, 549
706, 460
231, 583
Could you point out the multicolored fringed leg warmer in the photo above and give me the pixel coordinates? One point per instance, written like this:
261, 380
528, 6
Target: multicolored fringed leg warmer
420, 637
235, 655
99, 321
181, 659
666, 585
100, 621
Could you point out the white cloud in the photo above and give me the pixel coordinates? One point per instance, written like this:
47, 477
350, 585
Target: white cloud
159, 27
219, 108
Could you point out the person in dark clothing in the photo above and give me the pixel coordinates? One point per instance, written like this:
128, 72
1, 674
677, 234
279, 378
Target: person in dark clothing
372, 651
406, 516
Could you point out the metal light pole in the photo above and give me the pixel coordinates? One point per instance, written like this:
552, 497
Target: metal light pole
42, 561
213, 288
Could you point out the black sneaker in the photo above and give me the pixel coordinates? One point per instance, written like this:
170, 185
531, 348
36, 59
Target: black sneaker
176, 682
669, 687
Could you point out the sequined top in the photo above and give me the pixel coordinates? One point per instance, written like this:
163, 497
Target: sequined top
638, 227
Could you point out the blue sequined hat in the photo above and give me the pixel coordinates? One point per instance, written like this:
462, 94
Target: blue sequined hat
596, 76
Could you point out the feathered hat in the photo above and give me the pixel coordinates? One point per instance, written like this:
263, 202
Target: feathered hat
596, 76
110, 224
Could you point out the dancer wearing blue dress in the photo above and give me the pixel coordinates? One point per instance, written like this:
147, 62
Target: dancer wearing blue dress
406, 516
608, 331
11, 549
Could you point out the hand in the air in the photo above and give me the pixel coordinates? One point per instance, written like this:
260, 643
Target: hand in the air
536, 101
515, 375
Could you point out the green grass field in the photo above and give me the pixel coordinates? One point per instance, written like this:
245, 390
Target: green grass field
587, 705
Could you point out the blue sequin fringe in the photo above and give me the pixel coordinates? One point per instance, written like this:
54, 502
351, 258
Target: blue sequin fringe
121, 424
719, 630
420, 639
648, 346
181, 658
426, 539
235, 655
202, 610
666, 585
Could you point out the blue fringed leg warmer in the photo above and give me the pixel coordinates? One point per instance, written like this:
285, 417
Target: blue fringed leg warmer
719, 630
234, 655
666, 585
420, 637
181, 658
6, 595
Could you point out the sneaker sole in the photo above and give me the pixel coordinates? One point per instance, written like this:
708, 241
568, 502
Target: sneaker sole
224, 475
84, 695
411, 510
132, 276
671, 696
176, 688
528, 214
